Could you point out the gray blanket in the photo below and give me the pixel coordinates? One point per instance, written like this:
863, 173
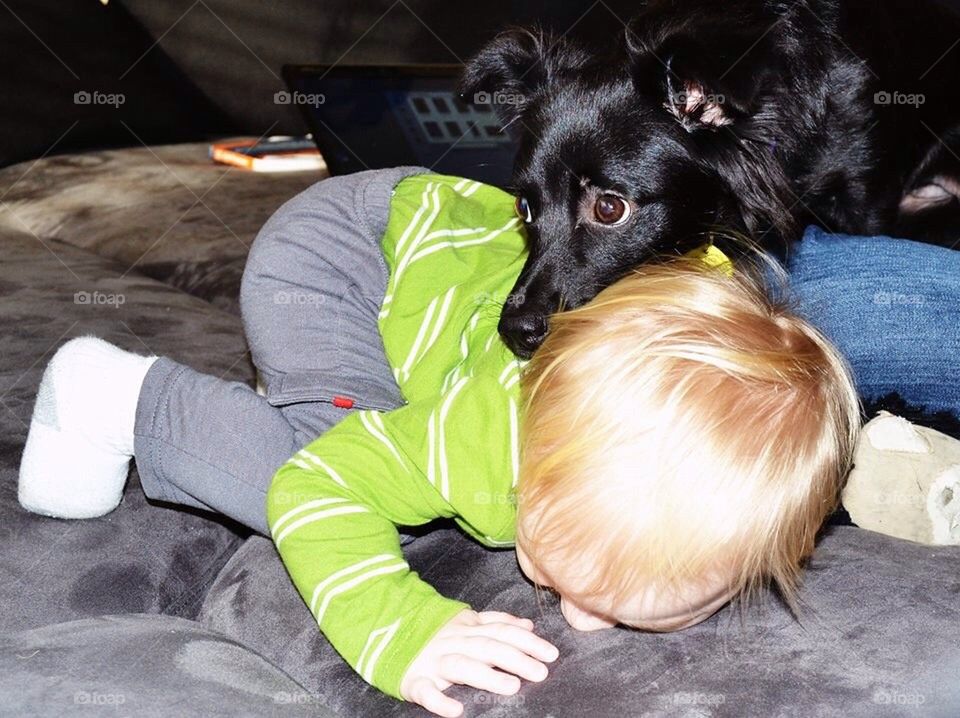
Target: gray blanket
156, 611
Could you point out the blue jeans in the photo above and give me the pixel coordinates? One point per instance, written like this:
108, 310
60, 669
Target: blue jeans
891, 306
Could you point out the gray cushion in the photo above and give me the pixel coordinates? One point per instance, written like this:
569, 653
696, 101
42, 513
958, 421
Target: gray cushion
144, 666
879, 634
168, 212
140, 558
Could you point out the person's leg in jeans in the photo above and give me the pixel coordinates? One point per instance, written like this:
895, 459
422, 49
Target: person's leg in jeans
310, 298
891, 306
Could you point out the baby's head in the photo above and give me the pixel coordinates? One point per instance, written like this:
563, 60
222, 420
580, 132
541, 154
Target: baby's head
684, 438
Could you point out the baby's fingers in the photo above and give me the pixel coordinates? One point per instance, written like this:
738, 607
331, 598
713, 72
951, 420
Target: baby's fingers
425, 693
458, 668
502, 617
521, 639
505, 657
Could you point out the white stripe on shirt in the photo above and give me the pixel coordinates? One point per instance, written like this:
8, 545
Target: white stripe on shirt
306, 506
438, 323
431, 449
506, 370
444, 408
473, 189
421, 332
514, 441
436, 234
299, 464
466, 243
379, 436
424, 203
314, 459
336, 575
318, 516
354, 582
386, 634
418, 240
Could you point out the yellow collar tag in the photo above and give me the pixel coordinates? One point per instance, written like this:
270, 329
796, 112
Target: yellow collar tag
713, 257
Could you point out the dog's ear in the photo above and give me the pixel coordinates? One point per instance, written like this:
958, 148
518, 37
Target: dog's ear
709, 69
515, 65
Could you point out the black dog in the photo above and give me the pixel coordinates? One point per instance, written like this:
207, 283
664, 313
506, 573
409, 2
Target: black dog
757, 117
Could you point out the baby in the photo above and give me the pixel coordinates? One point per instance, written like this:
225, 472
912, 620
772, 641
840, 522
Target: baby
674, 444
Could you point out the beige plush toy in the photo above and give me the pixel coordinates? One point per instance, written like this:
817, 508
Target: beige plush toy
905, 482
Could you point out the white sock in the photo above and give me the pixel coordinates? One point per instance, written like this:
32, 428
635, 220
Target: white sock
78, 450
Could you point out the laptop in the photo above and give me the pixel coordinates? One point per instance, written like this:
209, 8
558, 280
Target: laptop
370, 117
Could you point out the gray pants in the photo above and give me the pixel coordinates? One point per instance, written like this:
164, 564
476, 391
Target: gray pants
310, 295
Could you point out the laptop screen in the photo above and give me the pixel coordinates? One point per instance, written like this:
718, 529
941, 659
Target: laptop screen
369, 117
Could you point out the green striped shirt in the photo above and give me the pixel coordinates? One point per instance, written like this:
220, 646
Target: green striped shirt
454, 249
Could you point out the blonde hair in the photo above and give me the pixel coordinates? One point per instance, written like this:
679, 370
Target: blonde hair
681, 424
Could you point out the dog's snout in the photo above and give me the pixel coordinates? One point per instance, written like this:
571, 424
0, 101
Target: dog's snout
523, 333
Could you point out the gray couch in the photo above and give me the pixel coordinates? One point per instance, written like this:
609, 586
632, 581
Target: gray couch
153, 610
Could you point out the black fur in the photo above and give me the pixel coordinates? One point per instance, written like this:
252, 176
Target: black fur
755, 117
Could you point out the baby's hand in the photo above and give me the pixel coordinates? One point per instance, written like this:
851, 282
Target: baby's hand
467, 650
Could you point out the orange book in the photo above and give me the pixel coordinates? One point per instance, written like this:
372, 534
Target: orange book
275, 154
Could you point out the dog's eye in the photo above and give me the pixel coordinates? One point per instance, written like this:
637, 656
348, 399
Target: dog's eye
611, 209
523, 210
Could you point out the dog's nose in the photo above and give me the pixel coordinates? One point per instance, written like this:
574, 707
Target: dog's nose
523, 333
